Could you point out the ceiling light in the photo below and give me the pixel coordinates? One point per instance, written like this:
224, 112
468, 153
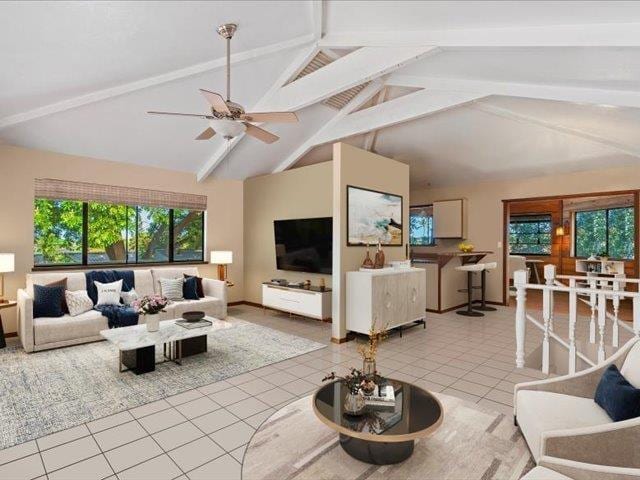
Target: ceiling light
227, 128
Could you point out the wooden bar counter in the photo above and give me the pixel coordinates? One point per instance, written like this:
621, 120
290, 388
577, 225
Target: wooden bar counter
443, 280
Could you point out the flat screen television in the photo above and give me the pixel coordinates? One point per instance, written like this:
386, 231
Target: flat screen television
304, 245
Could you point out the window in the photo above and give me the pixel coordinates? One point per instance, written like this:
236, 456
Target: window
530, 235
421, 225
609, 232
68, 232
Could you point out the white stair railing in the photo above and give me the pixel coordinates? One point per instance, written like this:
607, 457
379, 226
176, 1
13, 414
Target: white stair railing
597, 301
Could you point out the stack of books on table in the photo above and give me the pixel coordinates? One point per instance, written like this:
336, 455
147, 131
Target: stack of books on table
381, 397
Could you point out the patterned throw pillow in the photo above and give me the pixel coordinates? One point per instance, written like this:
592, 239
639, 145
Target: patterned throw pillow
199, 287
78, 302
109, 293
171, 288
129, 297
47, 301
190, 289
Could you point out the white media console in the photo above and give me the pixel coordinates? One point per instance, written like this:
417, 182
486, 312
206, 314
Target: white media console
390, 297
308, 302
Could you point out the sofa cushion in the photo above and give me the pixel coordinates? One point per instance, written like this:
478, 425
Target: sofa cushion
75, 280
143, 280
171, 288
171, 272
190, 288
47, 301
631, 366
544, 473
617, 396
199, 288
59, 329
540, 412
78, 302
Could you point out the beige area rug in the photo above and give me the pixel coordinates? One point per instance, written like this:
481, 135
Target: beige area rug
473, 443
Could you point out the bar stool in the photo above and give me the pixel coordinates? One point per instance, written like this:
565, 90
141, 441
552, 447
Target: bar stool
470, 269
483, 287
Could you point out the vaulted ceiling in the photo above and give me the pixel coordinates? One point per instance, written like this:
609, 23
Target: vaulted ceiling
461, 91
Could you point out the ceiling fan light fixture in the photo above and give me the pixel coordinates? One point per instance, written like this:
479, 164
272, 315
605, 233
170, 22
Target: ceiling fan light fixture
227, 128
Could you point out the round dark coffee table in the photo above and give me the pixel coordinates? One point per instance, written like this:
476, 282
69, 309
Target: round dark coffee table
380, 435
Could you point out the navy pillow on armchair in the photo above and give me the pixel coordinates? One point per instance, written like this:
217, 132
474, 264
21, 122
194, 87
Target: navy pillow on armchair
190, 288
617, 396
47, 301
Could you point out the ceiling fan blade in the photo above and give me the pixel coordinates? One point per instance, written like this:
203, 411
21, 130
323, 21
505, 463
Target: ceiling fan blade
200, 115
260, 134
279, 117
216, 101
207, 134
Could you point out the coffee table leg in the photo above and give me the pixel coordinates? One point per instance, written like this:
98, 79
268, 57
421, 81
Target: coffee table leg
376, 453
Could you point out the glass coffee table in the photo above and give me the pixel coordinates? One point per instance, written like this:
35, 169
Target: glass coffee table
380, 435
137, 346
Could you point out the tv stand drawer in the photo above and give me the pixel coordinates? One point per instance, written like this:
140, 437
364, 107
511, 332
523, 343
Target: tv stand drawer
301, 302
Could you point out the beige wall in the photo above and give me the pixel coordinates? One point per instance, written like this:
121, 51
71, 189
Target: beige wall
360, 168
299, 193
19, 167
485, 225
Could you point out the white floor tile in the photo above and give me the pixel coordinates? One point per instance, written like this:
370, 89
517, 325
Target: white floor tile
213, 421
132, 454
248, 407
116, 436
229, 396
197, 407
196, 453
94, 468
176, 436
225, 467
110, 421
150, 408
64, 436
158, 468
184, 397
256, 420
233, 436
238, 453
159, 421
68, 453
24, 468
13, 453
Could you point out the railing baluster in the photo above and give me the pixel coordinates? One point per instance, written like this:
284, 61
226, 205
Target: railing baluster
602, 317
592, 322
546, 315
519, 281
573, 313
615, 340
550, 278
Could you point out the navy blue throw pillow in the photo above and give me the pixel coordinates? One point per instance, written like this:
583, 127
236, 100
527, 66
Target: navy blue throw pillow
47, 301
190, 288
617, 396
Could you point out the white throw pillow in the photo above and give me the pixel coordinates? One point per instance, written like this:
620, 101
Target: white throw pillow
109, 293
171, 288
78, 302
129, 297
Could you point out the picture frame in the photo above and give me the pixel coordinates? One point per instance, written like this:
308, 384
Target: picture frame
374, 216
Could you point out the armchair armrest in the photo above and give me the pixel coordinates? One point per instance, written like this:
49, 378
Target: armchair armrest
217, 289
25, 319
588, 471
581, 384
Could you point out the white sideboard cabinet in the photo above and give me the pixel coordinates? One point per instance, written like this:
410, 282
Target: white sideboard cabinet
388, 297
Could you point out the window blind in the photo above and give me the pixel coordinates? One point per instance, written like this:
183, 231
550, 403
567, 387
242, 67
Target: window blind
54, 189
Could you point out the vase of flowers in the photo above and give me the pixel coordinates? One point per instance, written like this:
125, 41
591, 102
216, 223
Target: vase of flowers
369, 350
353, 400
150, 306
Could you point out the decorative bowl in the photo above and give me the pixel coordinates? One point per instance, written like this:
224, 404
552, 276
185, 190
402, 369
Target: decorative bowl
193, 316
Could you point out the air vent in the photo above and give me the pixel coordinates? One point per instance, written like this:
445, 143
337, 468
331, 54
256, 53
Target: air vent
339, 100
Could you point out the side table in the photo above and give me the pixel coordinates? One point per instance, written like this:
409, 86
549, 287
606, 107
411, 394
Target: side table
9, 304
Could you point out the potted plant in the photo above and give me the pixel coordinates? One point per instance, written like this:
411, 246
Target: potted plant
150, 306
603, 256
354, 401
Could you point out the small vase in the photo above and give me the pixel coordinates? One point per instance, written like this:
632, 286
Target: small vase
368, 367
353, 403
153, 322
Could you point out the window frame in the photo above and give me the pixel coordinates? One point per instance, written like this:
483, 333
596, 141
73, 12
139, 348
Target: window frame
606, 240
85, 246
532, 254
433, 239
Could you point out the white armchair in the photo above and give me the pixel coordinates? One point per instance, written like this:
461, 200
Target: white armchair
552, 468
558, 417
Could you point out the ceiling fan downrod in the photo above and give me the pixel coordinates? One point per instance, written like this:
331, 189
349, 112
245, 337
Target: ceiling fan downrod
226, 31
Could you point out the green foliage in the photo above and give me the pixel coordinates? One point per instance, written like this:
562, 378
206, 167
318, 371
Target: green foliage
420, 229
608, 231
530, 236
57, 231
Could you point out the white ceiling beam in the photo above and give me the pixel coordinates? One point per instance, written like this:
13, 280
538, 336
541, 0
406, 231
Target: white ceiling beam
370, 139
294, 68
355, 68
409, 107
358, 101
579, 35
597, 96
107, 93
576, 132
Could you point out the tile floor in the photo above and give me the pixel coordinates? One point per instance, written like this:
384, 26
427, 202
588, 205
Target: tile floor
203, 433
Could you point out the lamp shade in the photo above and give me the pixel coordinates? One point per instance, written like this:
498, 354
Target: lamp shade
7, 262
221, 257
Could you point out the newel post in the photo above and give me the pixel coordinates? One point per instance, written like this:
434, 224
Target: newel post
550, 279
520, 281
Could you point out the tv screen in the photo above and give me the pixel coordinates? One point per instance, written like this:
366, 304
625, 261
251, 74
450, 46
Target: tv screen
304, 245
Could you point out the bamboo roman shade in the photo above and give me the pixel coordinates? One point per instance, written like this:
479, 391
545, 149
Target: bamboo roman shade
53, 189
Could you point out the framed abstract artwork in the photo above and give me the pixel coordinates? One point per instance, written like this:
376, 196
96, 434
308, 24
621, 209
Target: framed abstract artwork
373, 217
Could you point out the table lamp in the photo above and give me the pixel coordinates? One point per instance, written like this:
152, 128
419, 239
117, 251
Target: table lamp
222, 258
7, 265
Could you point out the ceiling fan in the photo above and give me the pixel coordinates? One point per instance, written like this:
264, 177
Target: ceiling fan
229, 118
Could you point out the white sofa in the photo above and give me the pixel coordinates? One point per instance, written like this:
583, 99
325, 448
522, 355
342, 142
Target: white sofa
559, 418
551, 468
45, 333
